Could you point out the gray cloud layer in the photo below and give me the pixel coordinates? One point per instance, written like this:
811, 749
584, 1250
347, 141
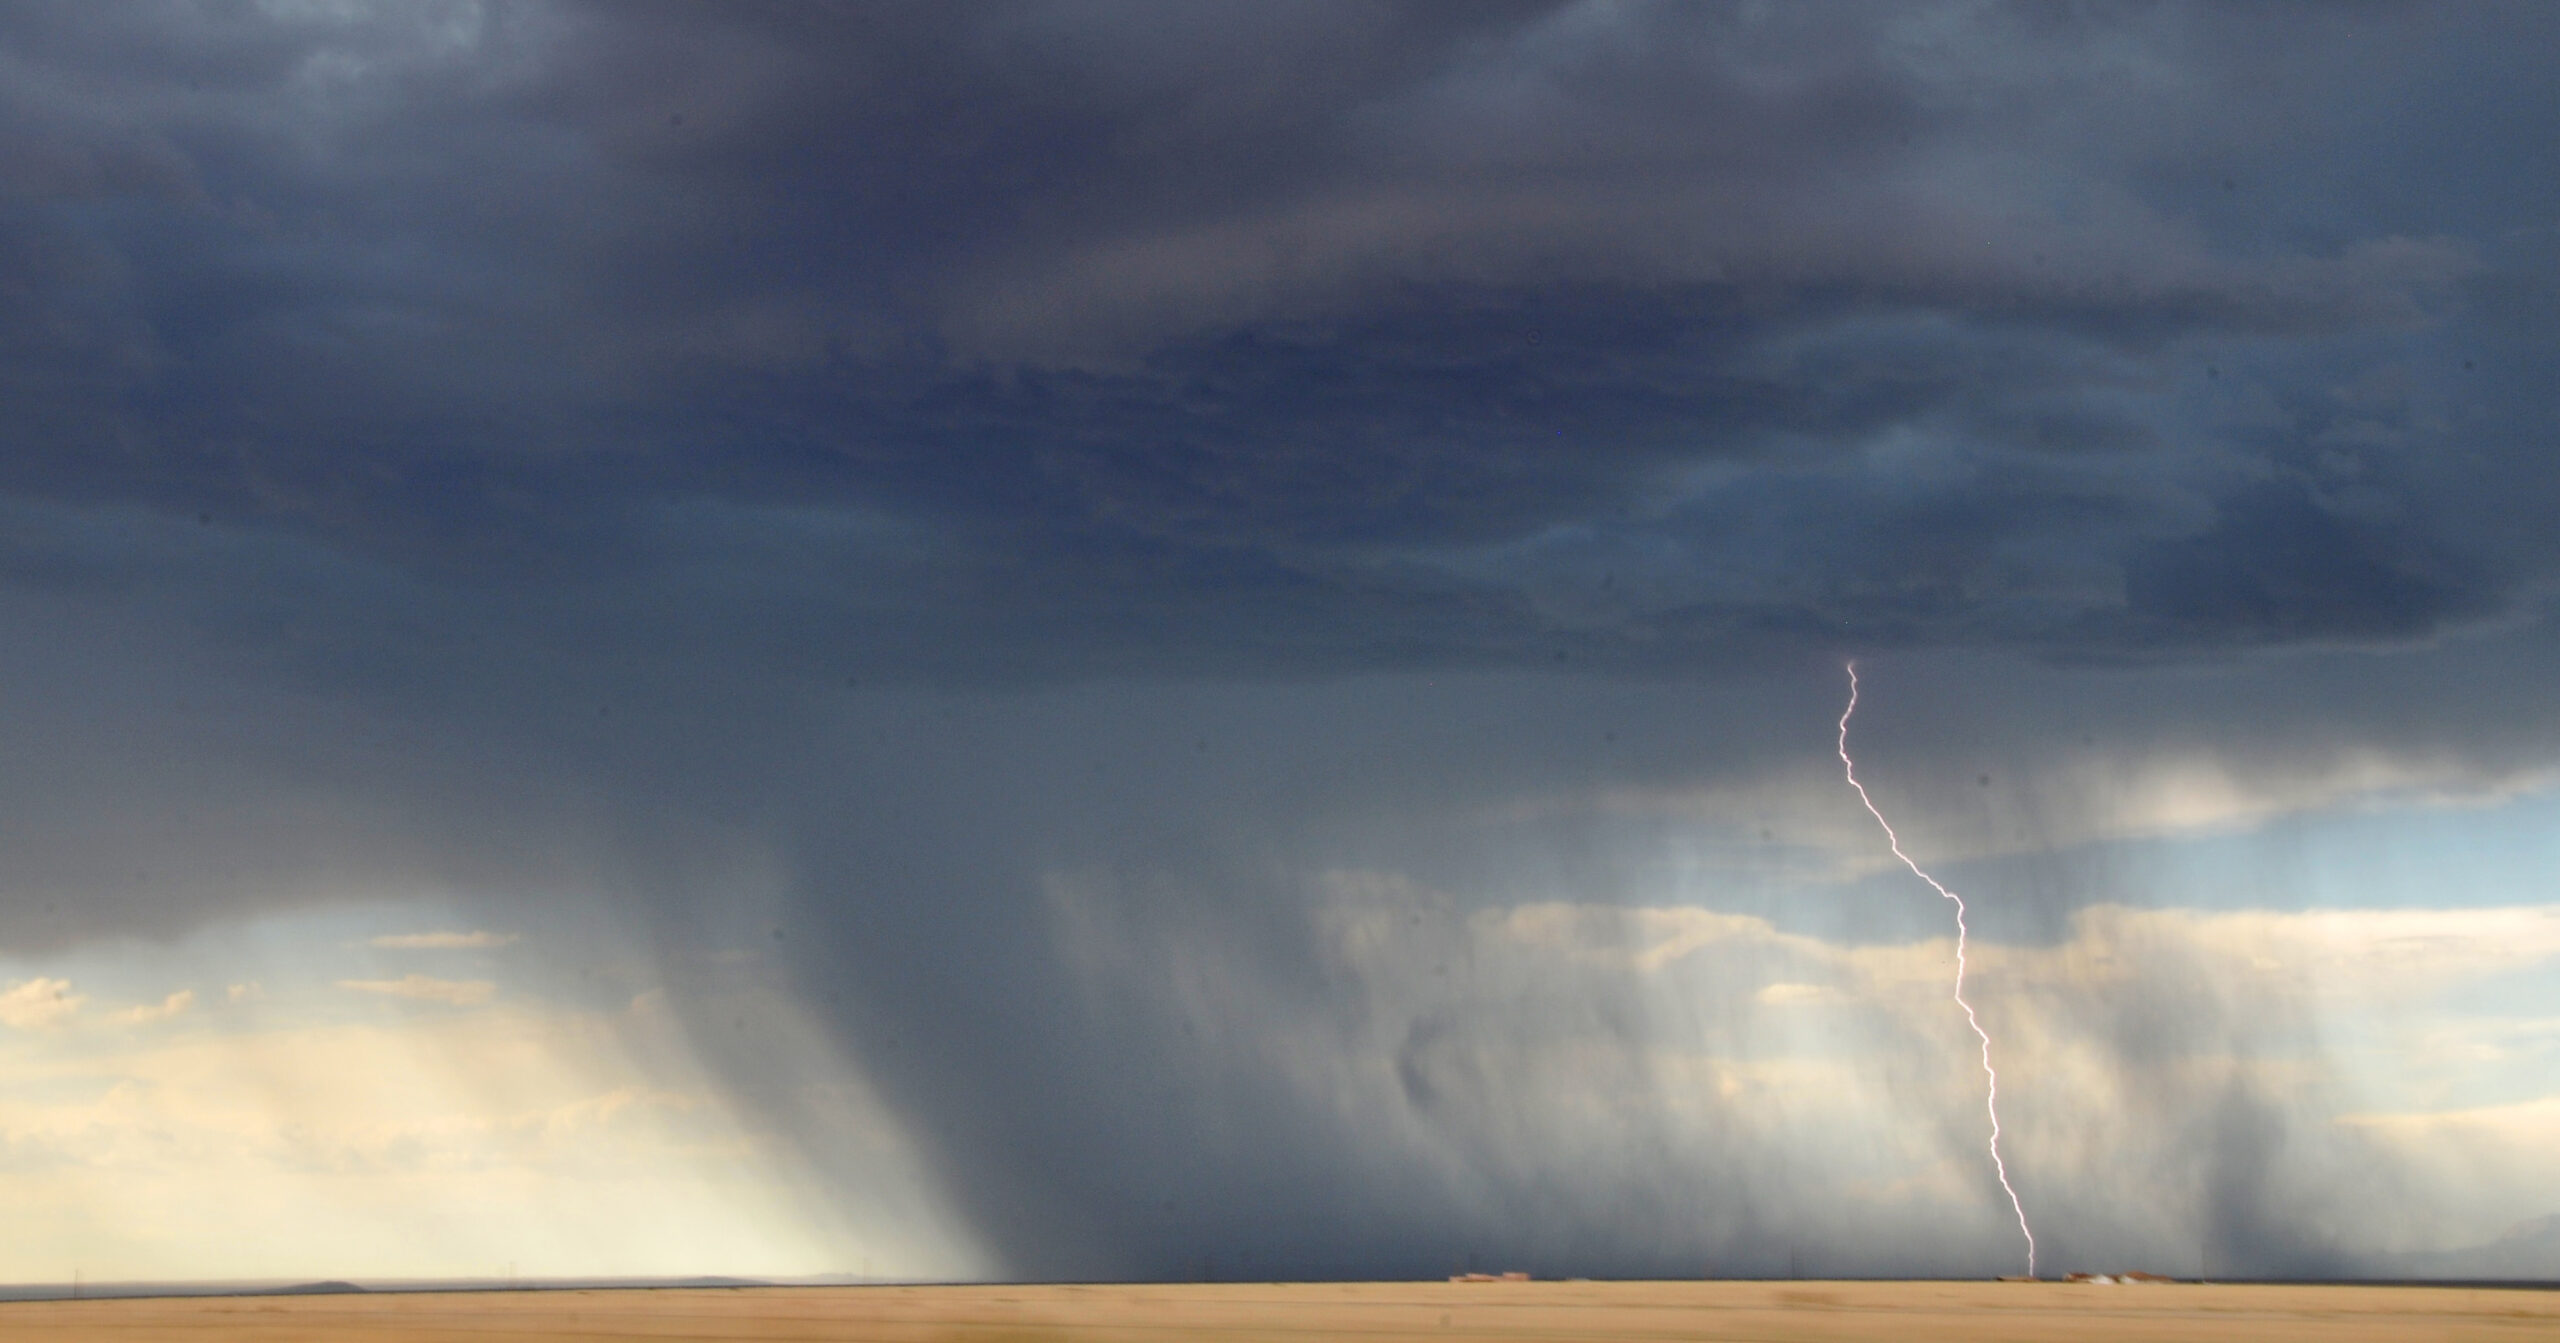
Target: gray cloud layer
541, 444
1342, 340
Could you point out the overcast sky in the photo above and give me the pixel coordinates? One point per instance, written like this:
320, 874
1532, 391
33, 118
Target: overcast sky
1200, 639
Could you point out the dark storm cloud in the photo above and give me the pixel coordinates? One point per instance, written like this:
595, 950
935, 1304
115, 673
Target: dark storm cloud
569, 436
2278, 564
1285, 315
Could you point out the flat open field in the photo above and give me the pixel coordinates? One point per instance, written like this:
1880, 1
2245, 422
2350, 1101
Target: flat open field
1238, 1313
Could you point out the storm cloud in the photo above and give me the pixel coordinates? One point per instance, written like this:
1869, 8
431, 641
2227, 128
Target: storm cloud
1129, 550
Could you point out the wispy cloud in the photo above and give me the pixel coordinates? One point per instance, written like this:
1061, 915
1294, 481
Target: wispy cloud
245, 993
145, 1014
428, 989
38, 1003
443, 941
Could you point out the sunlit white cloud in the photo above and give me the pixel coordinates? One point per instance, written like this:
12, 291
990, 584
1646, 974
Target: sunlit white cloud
1796, 995
2526, 1125
146, 1014
360, 1150
428, 989
304, 1140
37, 1003
2198, 792
2079, 799
476, 939
2370, 956
2363, 955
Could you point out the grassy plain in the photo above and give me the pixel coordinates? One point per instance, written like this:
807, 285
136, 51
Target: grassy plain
1919, 1312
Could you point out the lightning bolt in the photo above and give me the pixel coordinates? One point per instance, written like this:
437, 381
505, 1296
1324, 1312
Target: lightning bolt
1991, 1101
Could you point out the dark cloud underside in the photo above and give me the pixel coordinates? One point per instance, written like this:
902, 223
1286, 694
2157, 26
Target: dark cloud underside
1417, 337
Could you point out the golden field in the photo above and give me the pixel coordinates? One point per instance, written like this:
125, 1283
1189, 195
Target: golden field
1516, 1312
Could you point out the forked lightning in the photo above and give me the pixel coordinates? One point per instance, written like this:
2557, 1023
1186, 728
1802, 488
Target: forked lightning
1992, 1102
